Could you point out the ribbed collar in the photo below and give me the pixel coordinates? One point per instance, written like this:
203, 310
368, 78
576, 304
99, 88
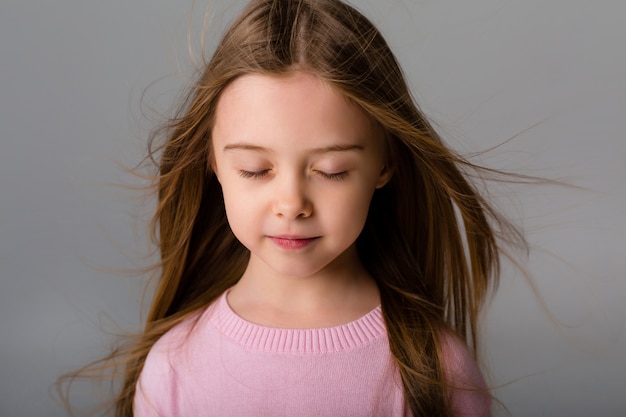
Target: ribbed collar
322, 340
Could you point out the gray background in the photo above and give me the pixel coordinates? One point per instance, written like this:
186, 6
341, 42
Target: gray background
71, 77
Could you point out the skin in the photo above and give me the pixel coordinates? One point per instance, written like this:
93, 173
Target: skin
298, 164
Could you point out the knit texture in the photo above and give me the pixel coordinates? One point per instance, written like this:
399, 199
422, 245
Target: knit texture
218, 364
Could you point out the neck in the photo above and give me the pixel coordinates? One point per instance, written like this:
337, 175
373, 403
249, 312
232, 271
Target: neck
336, 295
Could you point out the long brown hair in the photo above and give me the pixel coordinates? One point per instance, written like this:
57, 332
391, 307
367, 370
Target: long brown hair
431, 241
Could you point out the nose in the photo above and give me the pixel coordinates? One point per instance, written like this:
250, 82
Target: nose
290, 198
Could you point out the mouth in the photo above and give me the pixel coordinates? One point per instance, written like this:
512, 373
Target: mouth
292, 242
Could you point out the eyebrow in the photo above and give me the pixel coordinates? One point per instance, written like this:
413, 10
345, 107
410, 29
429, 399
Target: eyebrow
325, 149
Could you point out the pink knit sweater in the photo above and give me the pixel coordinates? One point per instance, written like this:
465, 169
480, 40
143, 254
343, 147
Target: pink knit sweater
221, 365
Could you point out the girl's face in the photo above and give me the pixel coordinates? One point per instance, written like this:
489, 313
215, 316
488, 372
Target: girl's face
298, 165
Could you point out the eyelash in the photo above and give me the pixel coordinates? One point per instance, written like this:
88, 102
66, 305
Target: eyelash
337, 176
254, 174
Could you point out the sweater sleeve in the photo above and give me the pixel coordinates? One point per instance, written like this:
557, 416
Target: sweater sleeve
154, 396
469, 395
155, 392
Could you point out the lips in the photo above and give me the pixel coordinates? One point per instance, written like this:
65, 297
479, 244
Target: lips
292, 242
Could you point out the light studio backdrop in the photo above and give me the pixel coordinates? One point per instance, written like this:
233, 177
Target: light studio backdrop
71, 78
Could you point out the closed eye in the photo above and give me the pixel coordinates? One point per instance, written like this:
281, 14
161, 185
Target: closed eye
253, 174
335, 176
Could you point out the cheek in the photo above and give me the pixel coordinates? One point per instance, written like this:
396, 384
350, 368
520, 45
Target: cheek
241, 223
350, 209
239, 208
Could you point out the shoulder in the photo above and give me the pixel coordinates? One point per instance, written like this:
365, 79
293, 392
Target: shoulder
173, 341
469, 395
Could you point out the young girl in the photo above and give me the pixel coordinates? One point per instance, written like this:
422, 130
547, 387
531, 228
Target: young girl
322, 251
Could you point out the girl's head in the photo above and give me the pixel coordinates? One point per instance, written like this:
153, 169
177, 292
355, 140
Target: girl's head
412, 225
421, 229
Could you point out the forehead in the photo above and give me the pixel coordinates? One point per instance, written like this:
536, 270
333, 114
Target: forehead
298, 107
